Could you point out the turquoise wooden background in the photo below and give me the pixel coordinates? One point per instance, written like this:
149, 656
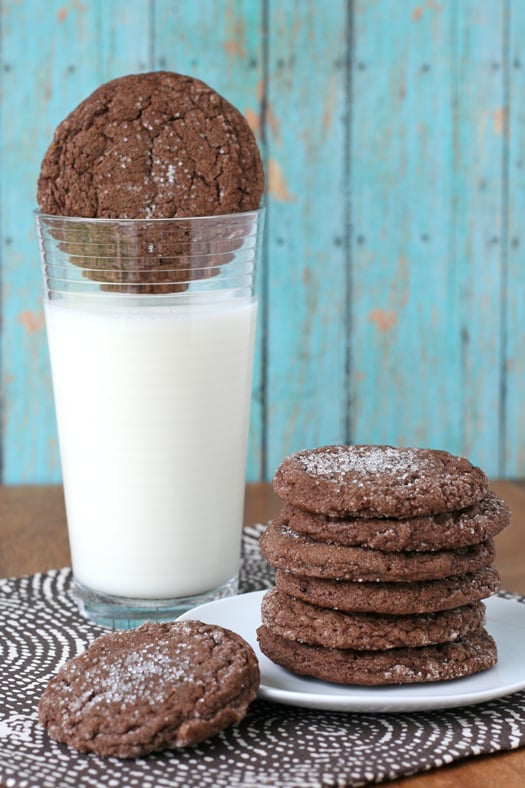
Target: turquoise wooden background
393, 131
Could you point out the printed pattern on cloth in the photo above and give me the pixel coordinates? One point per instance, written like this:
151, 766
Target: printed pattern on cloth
41, 628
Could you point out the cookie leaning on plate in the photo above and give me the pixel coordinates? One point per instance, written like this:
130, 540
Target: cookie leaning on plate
156, 687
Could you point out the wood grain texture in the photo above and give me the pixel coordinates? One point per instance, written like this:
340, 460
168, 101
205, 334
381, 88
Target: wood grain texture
307, 262
513, 421
503, 769
42, 67
393, 134
405, 340
478, 219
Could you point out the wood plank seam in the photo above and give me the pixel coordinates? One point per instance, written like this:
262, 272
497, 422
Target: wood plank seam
264, 276
348, 229
505, 186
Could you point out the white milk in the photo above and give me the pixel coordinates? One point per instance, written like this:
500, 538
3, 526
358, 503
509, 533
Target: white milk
152, 406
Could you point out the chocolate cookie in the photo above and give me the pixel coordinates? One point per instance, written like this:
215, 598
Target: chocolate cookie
379, 481
471, 654
394, 598
149, 146
286, 549
294, 619
477, 523
156, 687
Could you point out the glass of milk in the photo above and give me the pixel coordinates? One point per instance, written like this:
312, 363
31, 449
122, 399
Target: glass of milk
151, 328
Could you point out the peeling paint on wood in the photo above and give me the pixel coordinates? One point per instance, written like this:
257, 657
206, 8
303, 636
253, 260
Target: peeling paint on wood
32, 321
383, 319
277, 185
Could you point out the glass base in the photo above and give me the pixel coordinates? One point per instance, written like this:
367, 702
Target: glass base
119, 612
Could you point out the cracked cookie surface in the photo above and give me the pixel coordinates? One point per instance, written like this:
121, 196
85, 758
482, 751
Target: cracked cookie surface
420, 596
378, 481
155, 687
474, 524
472, 653
147, 146
302, 555
297, 620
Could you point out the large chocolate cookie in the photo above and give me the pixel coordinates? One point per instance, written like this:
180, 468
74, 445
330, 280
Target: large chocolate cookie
148, 146
286, 549
477, 523
394, 598
379, 481
159, 686
294, 619
473, 653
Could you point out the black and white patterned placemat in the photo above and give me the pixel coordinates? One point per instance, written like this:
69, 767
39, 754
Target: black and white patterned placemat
40, 628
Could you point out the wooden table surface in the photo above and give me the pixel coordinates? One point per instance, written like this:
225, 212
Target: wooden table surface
33, 538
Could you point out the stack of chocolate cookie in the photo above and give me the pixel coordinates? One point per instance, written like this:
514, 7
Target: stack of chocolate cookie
383, 556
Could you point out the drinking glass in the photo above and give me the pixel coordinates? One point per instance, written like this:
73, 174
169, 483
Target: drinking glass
151, 327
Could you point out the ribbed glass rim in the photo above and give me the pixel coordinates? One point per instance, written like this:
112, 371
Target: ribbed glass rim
104, 220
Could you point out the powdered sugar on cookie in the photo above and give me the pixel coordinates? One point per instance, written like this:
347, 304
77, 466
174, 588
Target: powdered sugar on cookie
338, 461
156, 687
379, 481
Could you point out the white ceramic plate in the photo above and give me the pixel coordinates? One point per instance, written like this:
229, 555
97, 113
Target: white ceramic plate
505, 622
